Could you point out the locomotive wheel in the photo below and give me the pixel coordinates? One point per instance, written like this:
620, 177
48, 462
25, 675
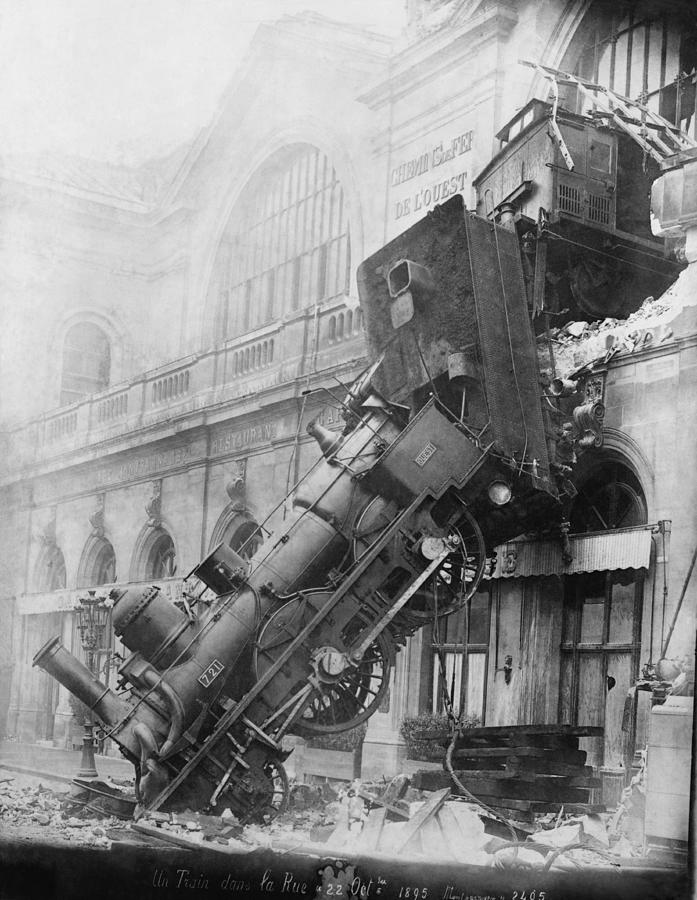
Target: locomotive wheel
344, 693
457, 579
270, 792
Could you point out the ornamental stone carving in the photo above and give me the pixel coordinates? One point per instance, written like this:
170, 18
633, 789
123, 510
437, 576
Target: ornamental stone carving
236, 487
153, 507
97, 517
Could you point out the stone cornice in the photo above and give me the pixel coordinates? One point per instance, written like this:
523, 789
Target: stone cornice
178, 427
422, 62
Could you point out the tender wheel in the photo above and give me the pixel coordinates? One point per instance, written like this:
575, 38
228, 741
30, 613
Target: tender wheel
345, 693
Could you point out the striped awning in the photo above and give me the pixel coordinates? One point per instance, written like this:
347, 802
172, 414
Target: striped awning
628, 548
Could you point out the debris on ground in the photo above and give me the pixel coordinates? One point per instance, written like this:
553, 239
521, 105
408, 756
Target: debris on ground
30, 806
366, 818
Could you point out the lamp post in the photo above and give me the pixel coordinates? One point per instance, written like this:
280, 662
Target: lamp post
92, 618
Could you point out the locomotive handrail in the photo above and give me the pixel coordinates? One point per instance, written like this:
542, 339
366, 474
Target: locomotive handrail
233, 714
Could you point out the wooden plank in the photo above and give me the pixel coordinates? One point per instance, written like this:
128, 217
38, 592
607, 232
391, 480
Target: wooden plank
429, 809
181, 841
517, 765
453, 836
560, 781
431, 837
560, 755
545, 741
372, 830
516, 730
509, 788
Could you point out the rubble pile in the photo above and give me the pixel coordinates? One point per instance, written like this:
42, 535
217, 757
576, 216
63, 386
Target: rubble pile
29, 806
380, 818
370, 819
578, 344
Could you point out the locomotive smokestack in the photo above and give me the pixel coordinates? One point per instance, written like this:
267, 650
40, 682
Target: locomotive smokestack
77, 678
328, 441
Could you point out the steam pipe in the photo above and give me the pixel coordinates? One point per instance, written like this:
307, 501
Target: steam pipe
176, 710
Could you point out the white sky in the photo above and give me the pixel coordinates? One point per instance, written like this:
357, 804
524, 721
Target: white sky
128, 80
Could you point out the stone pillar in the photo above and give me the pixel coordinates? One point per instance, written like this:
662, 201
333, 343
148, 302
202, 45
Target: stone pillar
384, 749
674, 215
63, 715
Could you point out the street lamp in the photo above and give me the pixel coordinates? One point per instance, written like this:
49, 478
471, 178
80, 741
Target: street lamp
92, 618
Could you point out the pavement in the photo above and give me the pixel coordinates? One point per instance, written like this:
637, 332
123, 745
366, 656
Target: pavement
57, 764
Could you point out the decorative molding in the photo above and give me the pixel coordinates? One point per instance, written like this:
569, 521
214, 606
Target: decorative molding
47, 535
96, 517
588, 419
153, 507
594, 388
236, 487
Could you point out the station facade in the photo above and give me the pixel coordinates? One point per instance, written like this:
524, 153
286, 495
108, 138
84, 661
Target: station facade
173, 329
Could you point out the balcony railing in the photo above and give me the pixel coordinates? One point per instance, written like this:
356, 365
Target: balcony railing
273, 354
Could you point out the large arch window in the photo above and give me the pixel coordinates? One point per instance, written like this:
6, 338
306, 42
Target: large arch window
243, 536
645, 51
161, 561
286, 245
86, 362
50, 572
98, 564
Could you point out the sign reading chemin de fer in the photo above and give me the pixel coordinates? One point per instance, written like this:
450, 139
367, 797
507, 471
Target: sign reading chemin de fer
441, 161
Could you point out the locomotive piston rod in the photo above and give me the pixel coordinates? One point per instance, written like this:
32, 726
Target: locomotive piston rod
449, 545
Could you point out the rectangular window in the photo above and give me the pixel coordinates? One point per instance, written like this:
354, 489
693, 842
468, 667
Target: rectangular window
460, 644
600, 658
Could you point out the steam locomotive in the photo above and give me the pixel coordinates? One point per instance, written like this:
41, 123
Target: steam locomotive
445, 453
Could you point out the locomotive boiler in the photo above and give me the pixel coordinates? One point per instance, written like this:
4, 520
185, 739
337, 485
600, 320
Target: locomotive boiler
444, 454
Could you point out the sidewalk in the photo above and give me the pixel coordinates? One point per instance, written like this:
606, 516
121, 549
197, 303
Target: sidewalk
55, 763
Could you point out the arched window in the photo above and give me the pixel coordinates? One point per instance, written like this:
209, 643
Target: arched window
50, 574
287, 243
244, 538
609, 497
98, 564
161, 561
86, 362
104, 565
643, 50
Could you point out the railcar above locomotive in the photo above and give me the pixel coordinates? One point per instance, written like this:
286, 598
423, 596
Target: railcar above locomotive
577, 189
444, 454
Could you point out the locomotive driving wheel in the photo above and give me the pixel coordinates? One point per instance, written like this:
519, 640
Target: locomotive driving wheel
344, 692
458, 577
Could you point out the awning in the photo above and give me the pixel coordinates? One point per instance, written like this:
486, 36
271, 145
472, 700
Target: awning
628, 548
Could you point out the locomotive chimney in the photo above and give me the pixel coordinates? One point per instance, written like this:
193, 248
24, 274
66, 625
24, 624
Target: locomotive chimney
54, 659
328, 441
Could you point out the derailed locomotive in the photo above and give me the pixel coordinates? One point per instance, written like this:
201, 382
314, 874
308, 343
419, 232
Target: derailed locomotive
445, 453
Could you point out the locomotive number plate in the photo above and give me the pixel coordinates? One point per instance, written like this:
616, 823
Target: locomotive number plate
208, 677
425, 454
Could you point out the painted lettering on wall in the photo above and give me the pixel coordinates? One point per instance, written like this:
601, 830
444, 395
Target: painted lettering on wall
436, 190
441, 153
239, 438
427, 196
147, 465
